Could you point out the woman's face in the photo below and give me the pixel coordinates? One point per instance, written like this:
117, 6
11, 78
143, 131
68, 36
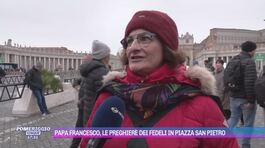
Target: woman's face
144, 52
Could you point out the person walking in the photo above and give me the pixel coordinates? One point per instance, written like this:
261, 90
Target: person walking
92, 72
243, 100
35, 83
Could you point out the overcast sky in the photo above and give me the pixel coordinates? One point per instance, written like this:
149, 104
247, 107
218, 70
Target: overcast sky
76, 23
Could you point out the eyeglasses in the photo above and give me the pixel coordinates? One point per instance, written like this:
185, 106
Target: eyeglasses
142, 39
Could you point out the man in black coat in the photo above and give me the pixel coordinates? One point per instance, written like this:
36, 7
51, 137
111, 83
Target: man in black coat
243, 101
92, 72
35, 83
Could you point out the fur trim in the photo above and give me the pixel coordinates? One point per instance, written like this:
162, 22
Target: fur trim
206, 78
112, 75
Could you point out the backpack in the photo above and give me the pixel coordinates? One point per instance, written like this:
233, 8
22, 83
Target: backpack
259, 89
232, 74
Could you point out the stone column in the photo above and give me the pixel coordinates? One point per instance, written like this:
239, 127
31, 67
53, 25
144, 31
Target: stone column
44, 61
25, 62
72, 64
58, 62
76, 64
20, 61
49, 64
35, 60
63, 65
67, 64
15, 59
7, 58
30, 62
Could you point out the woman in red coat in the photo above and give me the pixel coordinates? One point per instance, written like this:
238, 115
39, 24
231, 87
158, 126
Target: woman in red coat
157, 86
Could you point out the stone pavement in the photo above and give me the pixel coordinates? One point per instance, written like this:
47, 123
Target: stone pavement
62, 116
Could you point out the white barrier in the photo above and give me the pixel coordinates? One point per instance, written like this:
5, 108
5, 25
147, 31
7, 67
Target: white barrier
27, 105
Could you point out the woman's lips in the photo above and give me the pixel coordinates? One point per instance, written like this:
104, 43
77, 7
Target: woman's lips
136, 58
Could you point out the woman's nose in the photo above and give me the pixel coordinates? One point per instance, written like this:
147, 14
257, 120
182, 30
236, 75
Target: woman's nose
135, 45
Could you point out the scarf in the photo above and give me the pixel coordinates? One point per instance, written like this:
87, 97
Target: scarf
147, 99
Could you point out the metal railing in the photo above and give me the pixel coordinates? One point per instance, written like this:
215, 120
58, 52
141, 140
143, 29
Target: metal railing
12, 86
12, 79
11, 91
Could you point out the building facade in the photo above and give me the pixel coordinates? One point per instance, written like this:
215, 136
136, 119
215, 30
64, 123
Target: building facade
221, 43
53, 58
186, 44
224, 44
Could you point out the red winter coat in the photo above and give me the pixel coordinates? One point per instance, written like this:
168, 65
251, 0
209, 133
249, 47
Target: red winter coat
201, 111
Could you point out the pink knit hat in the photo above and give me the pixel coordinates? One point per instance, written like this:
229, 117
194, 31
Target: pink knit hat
156, 22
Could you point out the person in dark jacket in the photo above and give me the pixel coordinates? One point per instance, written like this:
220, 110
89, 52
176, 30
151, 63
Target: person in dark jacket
243, 101
153, 88
35, 83
92, 72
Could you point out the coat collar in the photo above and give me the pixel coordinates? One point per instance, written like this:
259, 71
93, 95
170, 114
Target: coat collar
196, 76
